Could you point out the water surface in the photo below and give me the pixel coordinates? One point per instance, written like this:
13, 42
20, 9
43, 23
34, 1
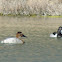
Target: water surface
38, 47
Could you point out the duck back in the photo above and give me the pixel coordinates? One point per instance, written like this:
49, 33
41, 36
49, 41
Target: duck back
12, 40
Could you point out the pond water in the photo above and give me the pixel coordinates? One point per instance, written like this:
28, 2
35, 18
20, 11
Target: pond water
38, 47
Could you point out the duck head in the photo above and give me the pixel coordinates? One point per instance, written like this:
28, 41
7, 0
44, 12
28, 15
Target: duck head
20, 34
54, 33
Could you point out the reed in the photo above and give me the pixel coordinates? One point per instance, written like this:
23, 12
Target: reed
31, 7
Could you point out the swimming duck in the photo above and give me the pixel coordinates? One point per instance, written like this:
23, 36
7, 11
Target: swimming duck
15, 39
57, 34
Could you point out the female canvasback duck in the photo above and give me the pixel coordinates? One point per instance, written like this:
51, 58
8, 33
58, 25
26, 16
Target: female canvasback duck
15, 39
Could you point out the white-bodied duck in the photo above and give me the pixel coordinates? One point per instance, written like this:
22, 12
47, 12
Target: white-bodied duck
58, 33
14, 39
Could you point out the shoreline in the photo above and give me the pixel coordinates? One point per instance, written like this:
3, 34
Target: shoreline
32, 15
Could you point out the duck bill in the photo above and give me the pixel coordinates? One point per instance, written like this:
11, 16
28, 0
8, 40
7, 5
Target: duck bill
24, 36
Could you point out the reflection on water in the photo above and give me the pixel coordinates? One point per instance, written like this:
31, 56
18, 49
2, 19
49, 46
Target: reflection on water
39, 47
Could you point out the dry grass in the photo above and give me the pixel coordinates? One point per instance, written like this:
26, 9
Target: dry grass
28, 7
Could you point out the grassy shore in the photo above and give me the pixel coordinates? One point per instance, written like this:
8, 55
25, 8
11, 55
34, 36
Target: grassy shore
32, 15
30, 7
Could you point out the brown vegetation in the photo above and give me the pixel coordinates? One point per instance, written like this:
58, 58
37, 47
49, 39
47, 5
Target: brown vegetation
29, 7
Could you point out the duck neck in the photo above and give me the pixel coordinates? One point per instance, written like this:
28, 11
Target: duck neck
17, 36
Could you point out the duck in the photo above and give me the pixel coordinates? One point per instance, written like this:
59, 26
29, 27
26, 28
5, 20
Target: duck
54, 34
58, 33
15, 40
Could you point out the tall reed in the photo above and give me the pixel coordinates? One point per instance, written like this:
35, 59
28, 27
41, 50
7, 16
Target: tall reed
30, 7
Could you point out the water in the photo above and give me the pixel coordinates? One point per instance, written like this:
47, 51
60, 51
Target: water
38, 47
